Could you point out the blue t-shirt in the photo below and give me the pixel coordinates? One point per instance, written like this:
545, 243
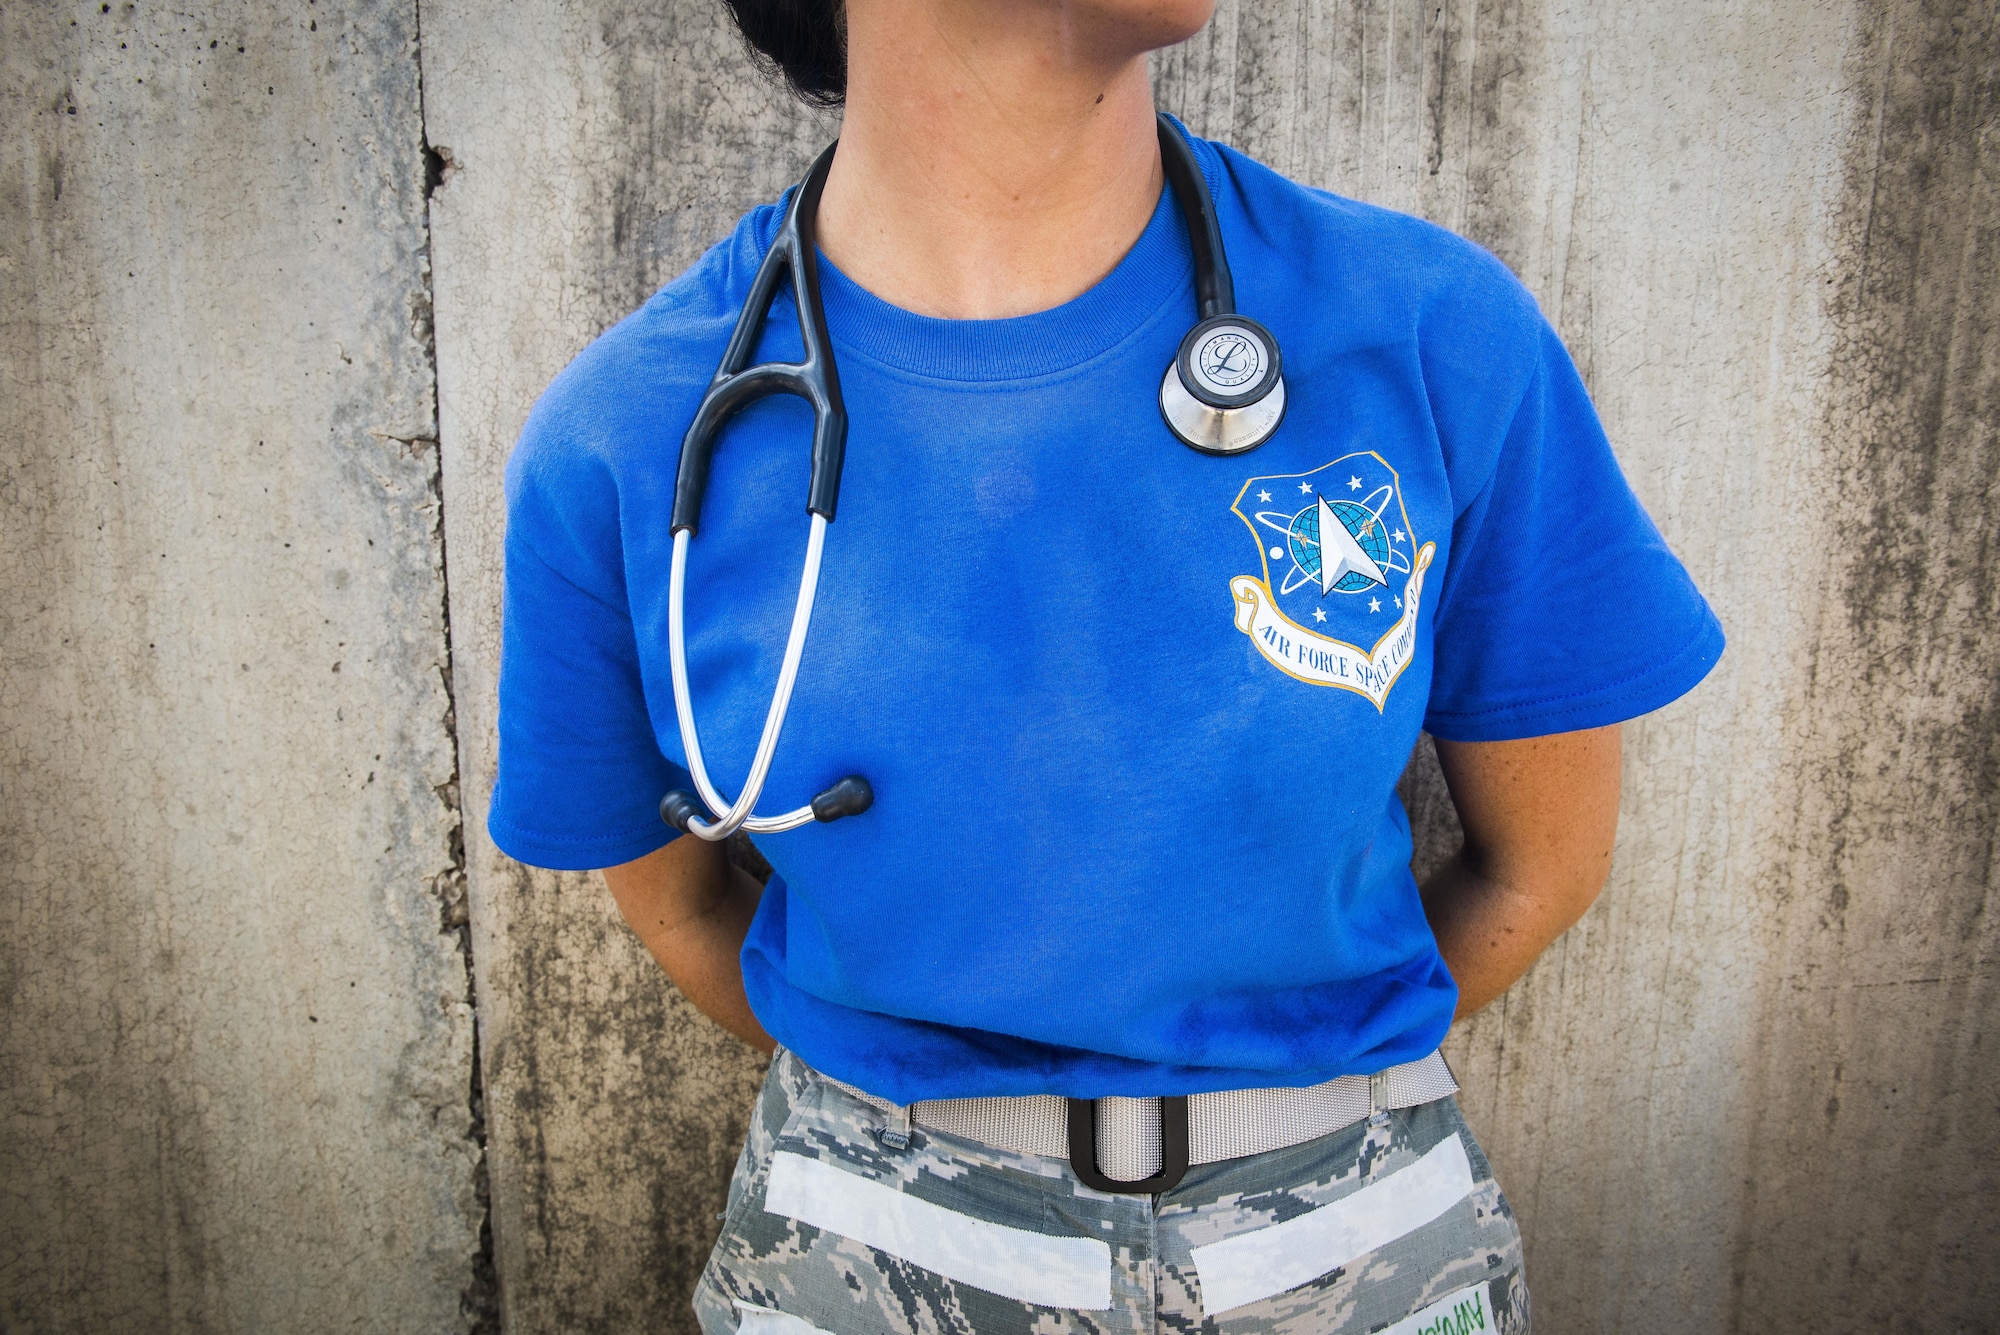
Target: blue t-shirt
1134, 740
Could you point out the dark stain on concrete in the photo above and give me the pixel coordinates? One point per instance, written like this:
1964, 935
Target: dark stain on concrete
1880, 1037
625, 1110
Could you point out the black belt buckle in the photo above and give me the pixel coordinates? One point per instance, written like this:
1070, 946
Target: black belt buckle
1173, 1148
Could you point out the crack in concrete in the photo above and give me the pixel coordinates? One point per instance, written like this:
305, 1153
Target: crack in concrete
479, 1300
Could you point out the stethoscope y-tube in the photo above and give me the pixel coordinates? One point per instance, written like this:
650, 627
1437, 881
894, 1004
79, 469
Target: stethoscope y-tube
1224, 393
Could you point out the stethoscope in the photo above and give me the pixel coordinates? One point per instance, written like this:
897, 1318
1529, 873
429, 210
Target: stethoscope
1224, 394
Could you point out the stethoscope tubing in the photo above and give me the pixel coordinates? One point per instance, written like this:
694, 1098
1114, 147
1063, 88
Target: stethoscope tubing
737, 815
1212, 418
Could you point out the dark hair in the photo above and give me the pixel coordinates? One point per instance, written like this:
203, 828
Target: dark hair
805, 41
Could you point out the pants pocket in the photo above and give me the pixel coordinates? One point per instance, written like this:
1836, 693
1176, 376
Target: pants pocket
1359, 1232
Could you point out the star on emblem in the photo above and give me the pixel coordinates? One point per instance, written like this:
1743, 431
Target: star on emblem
1397, 536
1374, 604
1305, 488
1354, 484
1319, 614
1263, 495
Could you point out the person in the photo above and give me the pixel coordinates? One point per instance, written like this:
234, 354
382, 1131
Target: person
1119, 1008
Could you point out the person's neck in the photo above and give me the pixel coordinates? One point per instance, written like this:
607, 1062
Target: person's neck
991, 163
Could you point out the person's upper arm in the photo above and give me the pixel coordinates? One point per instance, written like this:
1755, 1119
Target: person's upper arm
1562, 608
581, 770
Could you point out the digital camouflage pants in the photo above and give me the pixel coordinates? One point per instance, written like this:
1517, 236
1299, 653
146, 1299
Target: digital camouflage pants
1396, 1226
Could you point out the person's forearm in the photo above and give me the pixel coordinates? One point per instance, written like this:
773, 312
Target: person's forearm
1540, 815
704, 957
691, 908
1487, 931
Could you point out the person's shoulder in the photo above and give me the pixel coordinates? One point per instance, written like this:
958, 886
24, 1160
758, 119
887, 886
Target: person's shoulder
1404, 275
639, 382
1363, 279
609, 425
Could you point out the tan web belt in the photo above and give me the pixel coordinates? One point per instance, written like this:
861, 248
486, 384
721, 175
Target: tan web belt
1144, 1145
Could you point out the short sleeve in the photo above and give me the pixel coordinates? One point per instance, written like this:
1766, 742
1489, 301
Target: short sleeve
581, 772
1562, 608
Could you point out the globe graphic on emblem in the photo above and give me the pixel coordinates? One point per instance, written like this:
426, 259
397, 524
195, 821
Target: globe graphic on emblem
1303, 539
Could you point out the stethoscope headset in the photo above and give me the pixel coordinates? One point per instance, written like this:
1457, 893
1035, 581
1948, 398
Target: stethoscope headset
1224, 394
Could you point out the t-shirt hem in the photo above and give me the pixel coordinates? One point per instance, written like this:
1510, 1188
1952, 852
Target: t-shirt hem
957, 1063
1652, 689
589, 853
1138, 1079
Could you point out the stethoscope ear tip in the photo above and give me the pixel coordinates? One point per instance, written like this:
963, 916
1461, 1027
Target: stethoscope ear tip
679, 808
850, 797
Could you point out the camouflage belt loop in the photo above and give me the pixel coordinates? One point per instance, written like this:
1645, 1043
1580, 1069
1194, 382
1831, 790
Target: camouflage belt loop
895, 1132
1378, 1101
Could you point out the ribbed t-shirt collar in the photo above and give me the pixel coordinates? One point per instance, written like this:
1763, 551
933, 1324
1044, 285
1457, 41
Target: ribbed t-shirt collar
1157, 269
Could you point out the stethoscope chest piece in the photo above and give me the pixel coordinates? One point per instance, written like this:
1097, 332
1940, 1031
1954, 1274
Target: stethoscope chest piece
1225, 391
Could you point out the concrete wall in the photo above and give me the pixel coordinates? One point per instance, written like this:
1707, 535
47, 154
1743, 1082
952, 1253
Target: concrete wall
236, 1062
1757, 1083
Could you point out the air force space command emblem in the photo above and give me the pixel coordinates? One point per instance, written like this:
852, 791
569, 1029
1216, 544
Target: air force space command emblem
1342, 569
